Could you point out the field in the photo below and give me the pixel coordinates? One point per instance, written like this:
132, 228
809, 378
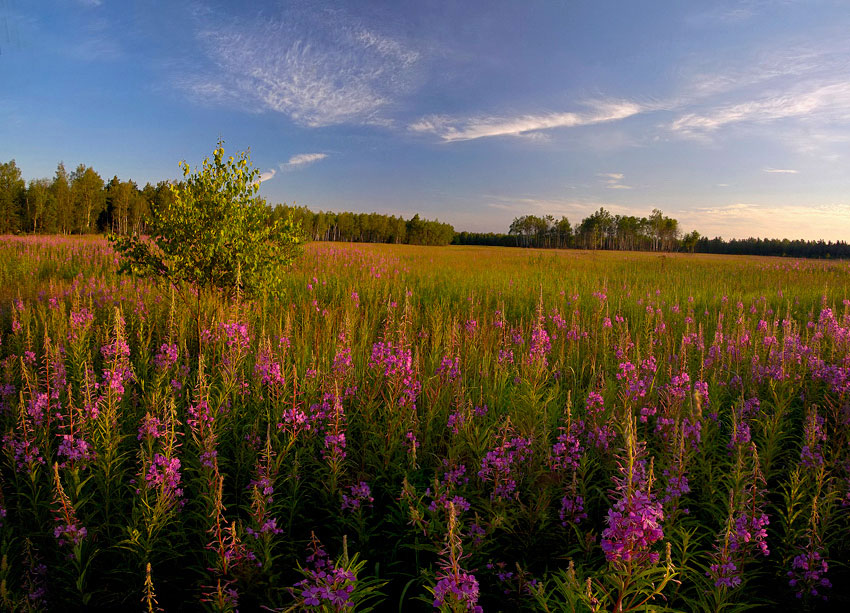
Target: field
420, 427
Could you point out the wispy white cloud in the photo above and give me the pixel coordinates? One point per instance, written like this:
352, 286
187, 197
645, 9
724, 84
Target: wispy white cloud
302, 159
387, 47
786, 171
319, 68
267, 175
451, 129
613, 180
809, 101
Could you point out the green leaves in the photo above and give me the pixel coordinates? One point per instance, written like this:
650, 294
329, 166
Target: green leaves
215, 232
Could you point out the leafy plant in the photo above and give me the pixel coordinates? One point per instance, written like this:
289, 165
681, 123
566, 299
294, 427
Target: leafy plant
215, 232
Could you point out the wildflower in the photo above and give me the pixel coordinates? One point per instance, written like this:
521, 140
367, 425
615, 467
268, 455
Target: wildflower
325, 583
725, 574
811, 455
500, 465
67, 531
360, 495
267, 368
150, 428
572, 510
167, 356
74, 449
164, 473
808, 574
454, 584
634, 521
449, 368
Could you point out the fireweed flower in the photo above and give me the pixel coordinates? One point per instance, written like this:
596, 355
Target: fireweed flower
750, 532
449, 368
540, 345
234, 334
74, 450
80, 322
267, 368
37, 407
333, 451
326, 584
25, 453
7, 393
725, 573
444, 495
679, 387
343, 363
150, 428
396, 362
634, 522
503, 465
294, 421
811, 455
411, 445
567, 451
634, 525
572, 509
117, 354
166, 357
262, 495
454, 584
68, 531
808, 574
164, 473
359, 496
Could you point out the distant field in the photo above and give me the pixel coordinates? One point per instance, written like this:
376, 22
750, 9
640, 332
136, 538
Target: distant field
521, 429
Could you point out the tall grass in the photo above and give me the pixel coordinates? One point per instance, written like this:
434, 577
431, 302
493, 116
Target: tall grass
414, 427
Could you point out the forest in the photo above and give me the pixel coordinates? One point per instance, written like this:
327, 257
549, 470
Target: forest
82, 202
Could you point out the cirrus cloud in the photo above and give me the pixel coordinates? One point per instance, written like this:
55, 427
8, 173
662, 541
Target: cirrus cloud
470, 128
302, 159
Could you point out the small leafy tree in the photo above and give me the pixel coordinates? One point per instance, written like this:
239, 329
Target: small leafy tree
214, 232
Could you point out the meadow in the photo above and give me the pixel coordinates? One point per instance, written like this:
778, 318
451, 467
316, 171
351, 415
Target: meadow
410, 428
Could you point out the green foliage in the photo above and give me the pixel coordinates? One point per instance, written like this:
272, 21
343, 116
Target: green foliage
12, 188
215, 232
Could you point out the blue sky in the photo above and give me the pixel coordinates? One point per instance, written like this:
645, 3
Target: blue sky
733, 117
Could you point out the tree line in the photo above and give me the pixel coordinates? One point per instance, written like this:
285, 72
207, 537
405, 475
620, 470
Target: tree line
600, 230
657, 232
368, 227
77, 202
81, 202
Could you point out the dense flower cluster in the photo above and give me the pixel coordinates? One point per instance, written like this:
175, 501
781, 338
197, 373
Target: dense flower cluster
164, 472
348, 391
74, 449
396, 363
359, 495
502, 465
325, 583
166, 357
634, 525
462, 587
808, 574
79, 323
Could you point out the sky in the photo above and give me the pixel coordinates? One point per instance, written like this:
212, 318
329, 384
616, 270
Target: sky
731, 116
